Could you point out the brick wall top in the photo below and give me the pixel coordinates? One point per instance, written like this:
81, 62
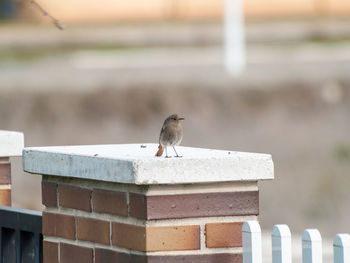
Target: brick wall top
11, 143
136, 164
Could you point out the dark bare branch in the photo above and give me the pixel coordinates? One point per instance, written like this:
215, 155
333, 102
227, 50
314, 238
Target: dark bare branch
55, 21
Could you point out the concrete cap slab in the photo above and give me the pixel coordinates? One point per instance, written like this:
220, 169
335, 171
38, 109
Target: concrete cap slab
136, 164
11, 143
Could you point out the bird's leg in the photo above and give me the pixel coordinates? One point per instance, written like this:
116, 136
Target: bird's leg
176, 152
166, 153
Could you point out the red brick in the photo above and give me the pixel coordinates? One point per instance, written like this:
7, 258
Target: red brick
110, 202
223, 235
129, 236
74, 197
50, 252
49, 194
58, 225
107, 255
5, 173
93, 230
75, 254
194, 205
206, 258
137, 206
5, 197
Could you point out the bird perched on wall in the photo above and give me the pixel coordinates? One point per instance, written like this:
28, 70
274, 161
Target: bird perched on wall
170, 134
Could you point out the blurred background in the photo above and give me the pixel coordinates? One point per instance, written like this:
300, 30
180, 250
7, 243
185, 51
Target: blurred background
121, 67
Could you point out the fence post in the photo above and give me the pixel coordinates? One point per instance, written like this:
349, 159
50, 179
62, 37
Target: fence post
281, 244
251, 241
11, 144
341, 248
312, 246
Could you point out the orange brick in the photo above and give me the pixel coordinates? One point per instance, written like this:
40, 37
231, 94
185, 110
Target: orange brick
173, 238
5, 197
93, 230
129, 236
223, 235
164, 238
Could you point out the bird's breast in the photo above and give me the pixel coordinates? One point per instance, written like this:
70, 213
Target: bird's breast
171, 135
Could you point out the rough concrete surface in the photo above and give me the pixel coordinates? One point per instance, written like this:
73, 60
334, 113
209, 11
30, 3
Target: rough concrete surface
137, 164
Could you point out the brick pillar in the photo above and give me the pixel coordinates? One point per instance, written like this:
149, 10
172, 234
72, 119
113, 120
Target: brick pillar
118, 203
5, 181
11, 144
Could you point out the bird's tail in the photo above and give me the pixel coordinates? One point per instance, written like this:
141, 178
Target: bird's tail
160, 150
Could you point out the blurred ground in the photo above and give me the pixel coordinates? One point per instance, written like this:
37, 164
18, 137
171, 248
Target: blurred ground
116, 84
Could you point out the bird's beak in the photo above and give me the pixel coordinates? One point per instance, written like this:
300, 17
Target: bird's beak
181, 119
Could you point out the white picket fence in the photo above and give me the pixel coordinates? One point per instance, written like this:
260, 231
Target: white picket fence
282, 245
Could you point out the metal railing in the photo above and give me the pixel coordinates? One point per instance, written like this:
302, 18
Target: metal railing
20, 235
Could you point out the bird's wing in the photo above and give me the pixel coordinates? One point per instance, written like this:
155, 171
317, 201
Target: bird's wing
168, 134
161, 131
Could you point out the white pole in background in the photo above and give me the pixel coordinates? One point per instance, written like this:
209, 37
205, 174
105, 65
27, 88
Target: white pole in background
234, 44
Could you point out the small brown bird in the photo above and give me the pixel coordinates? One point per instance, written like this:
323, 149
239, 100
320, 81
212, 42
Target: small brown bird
170, 135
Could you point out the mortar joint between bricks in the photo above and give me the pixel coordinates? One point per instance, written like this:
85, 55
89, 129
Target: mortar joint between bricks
57, 196
202, 240
59, 251
128, 202
91, 201
75, 227
110, 233
5, 160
